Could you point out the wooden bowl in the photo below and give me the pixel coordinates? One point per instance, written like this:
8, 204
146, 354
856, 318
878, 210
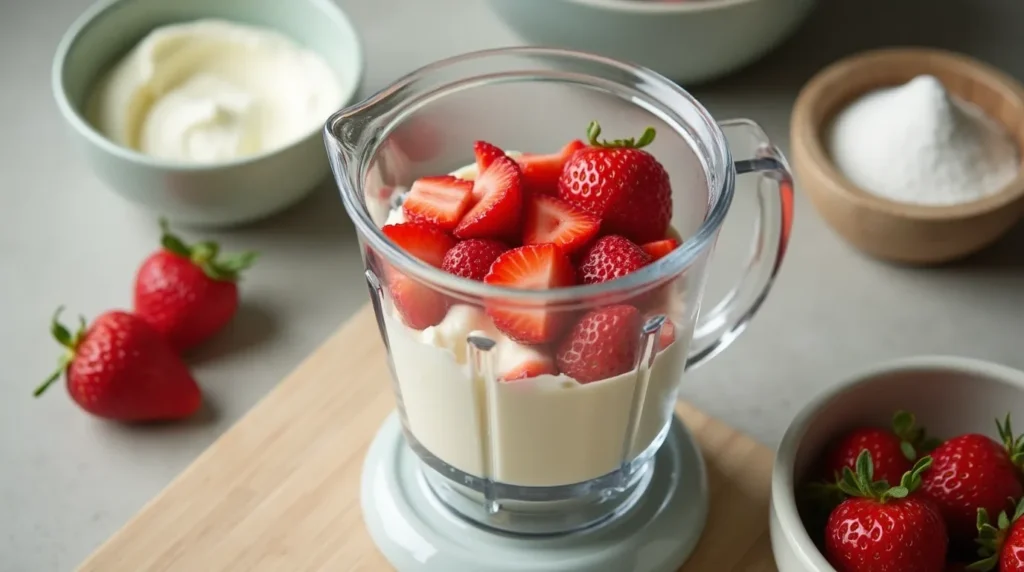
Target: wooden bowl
885, 229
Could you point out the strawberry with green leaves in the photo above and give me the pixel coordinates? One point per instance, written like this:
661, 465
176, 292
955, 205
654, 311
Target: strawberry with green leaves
188, 292
972, 472
120, 368
1002, 545
893, 450
883, 528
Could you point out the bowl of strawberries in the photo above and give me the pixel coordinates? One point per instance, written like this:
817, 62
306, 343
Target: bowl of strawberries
911, 466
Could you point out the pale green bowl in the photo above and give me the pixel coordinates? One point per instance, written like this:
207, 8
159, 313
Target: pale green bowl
220, 194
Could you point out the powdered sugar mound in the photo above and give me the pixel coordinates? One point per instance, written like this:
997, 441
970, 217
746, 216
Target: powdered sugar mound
918, 144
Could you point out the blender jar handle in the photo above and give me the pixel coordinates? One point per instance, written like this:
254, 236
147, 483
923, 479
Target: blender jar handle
719, 327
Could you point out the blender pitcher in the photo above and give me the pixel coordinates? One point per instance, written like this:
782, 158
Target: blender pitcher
546, 454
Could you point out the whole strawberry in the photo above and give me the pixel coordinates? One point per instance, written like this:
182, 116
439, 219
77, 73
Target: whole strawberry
882, 528
893, 450
186, 292
604, 343
620, 183
970, 472
1002, 545
121, 368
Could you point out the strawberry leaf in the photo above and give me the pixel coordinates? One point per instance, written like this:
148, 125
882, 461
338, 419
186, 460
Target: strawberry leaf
1014, 444
594, 132
204, 255
914, 440
70, 342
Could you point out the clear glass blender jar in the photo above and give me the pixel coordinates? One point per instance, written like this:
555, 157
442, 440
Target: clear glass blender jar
547, 454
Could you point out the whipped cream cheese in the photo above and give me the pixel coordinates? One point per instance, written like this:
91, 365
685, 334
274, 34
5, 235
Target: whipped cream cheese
210, 90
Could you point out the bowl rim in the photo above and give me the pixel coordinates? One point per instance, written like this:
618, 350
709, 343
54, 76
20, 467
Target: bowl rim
808, 134
642, 7
71, 114
783, 499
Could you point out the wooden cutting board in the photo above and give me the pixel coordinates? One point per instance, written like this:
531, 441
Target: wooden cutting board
279, 490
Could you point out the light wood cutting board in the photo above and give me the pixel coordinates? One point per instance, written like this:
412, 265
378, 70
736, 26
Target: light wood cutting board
279, 491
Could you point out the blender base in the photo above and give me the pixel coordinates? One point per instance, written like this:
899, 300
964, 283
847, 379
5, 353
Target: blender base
417, 533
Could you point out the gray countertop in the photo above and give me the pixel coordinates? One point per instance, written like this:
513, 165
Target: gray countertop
69, 481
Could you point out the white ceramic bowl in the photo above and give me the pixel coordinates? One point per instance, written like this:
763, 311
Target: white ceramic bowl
949, 396
689, 42
220, 194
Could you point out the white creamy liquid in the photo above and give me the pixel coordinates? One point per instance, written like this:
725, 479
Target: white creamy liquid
211, 90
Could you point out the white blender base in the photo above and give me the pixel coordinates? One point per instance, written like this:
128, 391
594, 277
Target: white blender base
416, 533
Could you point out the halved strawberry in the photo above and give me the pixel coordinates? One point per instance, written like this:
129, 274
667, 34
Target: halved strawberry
549, 219
440, 201
603, 344
485, 154
499, 209
472, 258
659, 248
541, 172
419, 305
426, 242
533, 267
531, 366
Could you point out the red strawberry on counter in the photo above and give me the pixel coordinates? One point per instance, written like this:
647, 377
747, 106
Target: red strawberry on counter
602, 344
419, 305
120, 368
609, 258
498, 193
625, 186
883, 528
548, 219
893, 450
186, 292
532, 267
972, 472
440, 201
1002, 545
472, 258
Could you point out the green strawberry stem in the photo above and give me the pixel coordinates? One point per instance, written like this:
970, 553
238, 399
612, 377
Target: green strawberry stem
204, 254
70, 342
594, 131
913, 439
862, 484
1014, 444
991, 538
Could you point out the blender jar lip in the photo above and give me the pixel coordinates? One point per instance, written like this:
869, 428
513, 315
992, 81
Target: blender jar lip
652, 274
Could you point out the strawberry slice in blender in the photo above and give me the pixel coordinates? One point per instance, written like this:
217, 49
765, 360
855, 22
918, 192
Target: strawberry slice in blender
659, 248
419, 305
533, 365
541, 172
532, 267
472, 258
440, 201
609, 258
602, 344
485, 154
497, 211
549, 219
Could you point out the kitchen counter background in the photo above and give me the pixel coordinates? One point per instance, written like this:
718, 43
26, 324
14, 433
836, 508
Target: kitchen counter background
69, 481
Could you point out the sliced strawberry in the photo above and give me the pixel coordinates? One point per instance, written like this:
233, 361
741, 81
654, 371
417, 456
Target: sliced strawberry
548, 219
603, 344
533, 267
541, 172
426, 242
609, 258
440, 201
667, 335
531, 366
485, 154
419, 305
472, 258
498, 211
659, 248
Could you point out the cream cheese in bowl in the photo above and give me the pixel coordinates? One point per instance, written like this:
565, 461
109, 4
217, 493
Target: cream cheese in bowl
210, 91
